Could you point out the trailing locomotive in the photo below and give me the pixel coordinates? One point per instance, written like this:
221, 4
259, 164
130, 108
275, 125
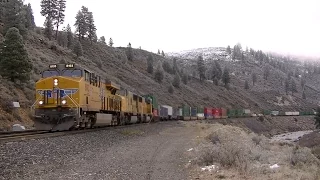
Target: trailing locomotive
69, 97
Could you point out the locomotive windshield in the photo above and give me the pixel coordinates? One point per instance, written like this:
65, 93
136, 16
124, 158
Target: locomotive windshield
68, 73
46, 74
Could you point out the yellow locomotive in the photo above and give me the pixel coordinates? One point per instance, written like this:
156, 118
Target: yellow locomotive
69, 96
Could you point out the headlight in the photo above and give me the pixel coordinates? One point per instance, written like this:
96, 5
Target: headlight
64, 102
55, 82
40, 102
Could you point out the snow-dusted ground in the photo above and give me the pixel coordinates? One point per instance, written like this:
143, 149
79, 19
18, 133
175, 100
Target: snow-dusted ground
290, 137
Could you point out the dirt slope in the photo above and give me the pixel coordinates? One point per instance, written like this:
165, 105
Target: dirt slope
112, 63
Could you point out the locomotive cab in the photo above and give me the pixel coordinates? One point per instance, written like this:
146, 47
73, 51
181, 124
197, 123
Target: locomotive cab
57, 97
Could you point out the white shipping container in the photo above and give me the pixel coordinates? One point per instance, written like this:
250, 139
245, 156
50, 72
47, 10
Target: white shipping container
295, 113
288, 113
179, 113
275, 113
247, 111
169, 109
200, 115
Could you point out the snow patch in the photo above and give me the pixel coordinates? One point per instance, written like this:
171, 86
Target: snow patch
209, 168
274, 166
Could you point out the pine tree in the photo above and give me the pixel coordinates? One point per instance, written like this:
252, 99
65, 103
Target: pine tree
158, 51
293, 86
266, 72
59, 16
159, 73
246, 85
286, 87
129, 52
81, 26
175, 66
91, 26
176, 80
110, 42
13, 16
304, 95
62, 39
201, 68
69, 36
14, 61
29, 23
77, 49
102, 40
150, 64
228, 50
226, 77
317, 118
170, 89
48, 30
49, 9
162, 53
185, 78
254, 78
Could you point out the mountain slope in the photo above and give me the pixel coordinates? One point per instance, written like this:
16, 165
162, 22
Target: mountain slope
112, 63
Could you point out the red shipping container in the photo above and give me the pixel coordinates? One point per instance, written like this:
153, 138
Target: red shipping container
223, 113
216, 113
155, 112
208, 112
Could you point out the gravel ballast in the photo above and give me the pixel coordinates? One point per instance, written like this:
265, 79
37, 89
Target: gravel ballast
147, 151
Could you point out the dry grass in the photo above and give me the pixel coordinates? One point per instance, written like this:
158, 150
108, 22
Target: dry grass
242, 155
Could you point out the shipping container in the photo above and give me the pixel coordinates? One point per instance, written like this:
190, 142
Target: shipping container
295, 113
194, 111
201, 110
208, 113
155, 112
170, 110
247, 111
200, 116
216, 113
288, 113
274, 113
163, 113
266, 112
223, 113
186, 111
231, 113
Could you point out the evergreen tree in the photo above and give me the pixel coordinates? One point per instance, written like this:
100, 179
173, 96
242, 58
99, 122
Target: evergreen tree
303, 95
162, 53
29, 23
175, 66
77, 49
158, 51
81, 26
102, 40
266, 72
14, 61
286, 87
317, 118
150, 64
13, 16
201, 68
293, 86
91, 26
110, 42
69, 36
246, 85
226, 76
170, 89
159, 73
129, 52
49, 9
228, 50
48, 30
59, 14
185, 78
62, 39
254, 78
176, 80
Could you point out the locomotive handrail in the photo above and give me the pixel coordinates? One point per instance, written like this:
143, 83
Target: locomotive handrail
33, 105
75, 103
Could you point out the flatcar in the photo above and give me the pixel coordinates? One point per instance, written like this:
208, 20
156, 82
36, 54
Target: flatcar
69, 97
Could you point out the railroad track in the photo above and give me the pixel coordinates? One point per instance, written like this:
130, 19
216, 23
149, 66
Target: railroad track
36, 134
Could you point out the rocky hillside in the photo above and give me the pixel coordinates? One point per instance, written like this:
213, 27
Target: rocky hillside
112, 63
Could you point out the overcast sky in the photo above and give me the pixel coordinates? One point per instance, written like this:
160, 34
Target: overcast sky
287, 26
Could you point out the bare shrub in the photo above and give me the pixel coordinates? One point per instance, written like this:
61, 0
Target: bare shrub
256, 139
303, 156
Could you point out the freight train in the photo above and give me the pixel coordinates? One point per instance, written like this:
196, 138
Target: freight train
69, 96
